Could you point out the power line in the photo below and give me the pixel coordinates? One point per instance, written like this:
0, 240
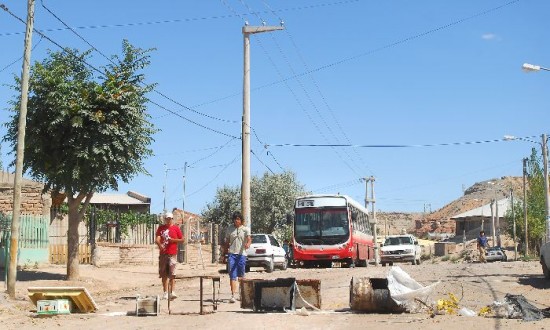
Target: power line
21, 57
392, 145
311, 102
64, 49
184, 20
110, 60
258, 158
373, 51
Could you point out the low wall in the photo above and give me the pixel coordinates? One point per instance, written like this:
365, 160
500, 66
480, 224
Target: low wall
114, 254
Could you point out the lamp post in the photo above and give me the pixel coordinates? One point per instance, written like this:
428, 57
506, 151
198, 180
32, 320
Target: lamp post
245, 184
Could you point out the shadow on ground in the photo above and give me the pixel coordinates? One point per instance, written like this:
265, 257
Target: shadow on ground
535, 281
33, 275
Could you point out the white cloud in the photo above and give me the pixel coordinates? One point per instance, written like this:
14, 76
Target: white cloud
488, 36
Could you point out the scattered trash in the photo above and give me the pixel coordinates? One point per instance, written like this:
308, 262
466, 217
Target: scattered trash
115, 314
466, 312
302, 311
406, 291
516, 307
447, 306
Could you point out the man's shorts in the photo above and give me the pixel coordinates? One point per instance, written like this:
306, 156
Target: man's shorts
237, 265
167, 265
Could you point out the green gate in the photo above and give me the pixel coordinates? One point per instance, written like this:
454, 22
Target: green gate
33, 239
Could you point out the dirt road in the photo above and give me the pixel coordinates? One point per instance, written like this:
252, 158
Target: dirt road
114, 289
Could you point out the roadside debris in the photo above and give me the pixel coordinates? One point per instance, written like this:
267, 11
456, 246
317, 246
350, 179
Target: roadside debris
515, 307
80, 298
395, 294
407, 292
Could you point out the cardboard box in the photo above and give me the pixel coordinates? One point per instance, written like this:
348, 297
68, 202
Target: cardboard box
53, 307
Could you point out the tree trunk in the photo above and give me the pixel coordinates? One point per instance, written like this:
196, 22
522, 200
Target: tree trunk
73, 261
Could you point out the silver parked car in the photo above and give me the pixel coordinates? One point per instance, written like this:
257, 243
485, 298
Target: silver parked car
495, 253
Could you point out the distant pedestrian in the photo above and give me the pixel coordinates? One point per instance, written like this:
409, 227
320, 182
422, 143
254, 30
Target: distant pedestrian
482, 244
167, 238
237, 241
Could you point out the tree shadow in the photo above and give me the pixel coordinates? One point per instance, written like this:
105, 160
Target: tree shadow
34, 275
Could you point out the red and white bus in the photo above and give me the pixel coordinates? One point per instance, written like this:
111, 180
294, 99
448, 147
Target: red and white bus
331, 228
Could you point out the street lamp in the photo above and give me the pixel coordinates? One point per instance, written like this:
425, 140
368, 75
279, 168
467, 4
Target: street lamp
533, 68
245, 185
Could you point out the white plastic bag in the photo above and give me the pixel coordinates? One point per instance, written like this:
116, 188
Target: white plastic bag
404, 289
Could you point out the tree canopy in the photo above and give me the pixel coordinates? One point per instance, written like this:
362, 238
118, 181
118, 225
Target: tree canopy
85, 134
87, 129
535, 203
272, 198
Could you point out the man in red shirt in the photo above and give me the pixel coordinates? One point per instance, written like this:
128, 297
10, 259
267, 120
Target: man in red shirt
167, 238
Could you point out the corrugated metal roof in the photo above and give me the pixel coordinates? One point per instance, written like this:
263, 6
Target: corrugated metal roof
485, 210
121, 199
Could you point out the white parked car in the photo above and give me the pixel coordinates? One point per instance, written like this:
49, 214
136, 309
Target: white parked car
265, 251
400, 248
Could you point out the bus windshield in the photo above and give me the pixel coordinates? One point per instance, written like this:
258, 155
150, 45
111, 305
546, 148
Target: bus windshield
327, 226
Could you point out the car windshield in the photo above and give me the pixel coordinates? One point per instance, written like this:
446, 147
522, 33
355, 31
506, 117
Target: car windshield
259, 239
398, 240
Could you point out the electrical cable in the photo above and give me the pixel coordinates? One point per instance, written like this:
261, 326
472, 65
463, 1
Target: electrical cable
20, 58
120, 25
392, 145
102, 74
110, 60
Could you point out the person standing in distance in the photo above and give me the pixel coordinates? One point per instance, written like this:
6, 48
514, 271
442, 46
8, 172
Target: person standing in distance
237, 241
167, 238
482, 245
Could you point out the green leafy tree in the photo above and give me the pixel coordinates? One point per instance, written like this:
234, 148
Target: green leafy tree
84, 133
226, 201
272, 197
536, 205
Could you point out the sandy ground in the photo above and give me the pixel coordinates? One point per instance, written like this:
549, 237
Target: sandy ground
114, 290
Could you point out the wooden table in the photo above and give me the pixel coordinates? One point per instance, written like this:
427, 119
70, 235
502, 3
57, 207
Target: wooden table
214, 278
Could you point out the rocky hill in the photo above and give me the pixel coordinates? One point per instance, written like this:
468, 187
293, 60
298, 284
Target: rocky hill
438, 221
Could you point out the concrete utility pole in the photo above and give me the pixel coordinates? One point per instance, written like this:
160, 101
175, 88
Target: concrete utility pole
164, 189
545, 160
245, 184
514, 223
186, 223
373, 220
498, 221
493, 222
526, 245
14, 238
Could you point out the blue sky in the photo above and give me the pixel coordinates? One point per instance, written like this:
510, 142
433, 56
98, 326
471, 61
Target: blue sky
361, 73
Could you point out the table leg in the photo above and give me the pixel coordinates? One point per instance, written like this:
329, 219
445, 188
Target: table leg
169, 290
201, 311
214, 302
